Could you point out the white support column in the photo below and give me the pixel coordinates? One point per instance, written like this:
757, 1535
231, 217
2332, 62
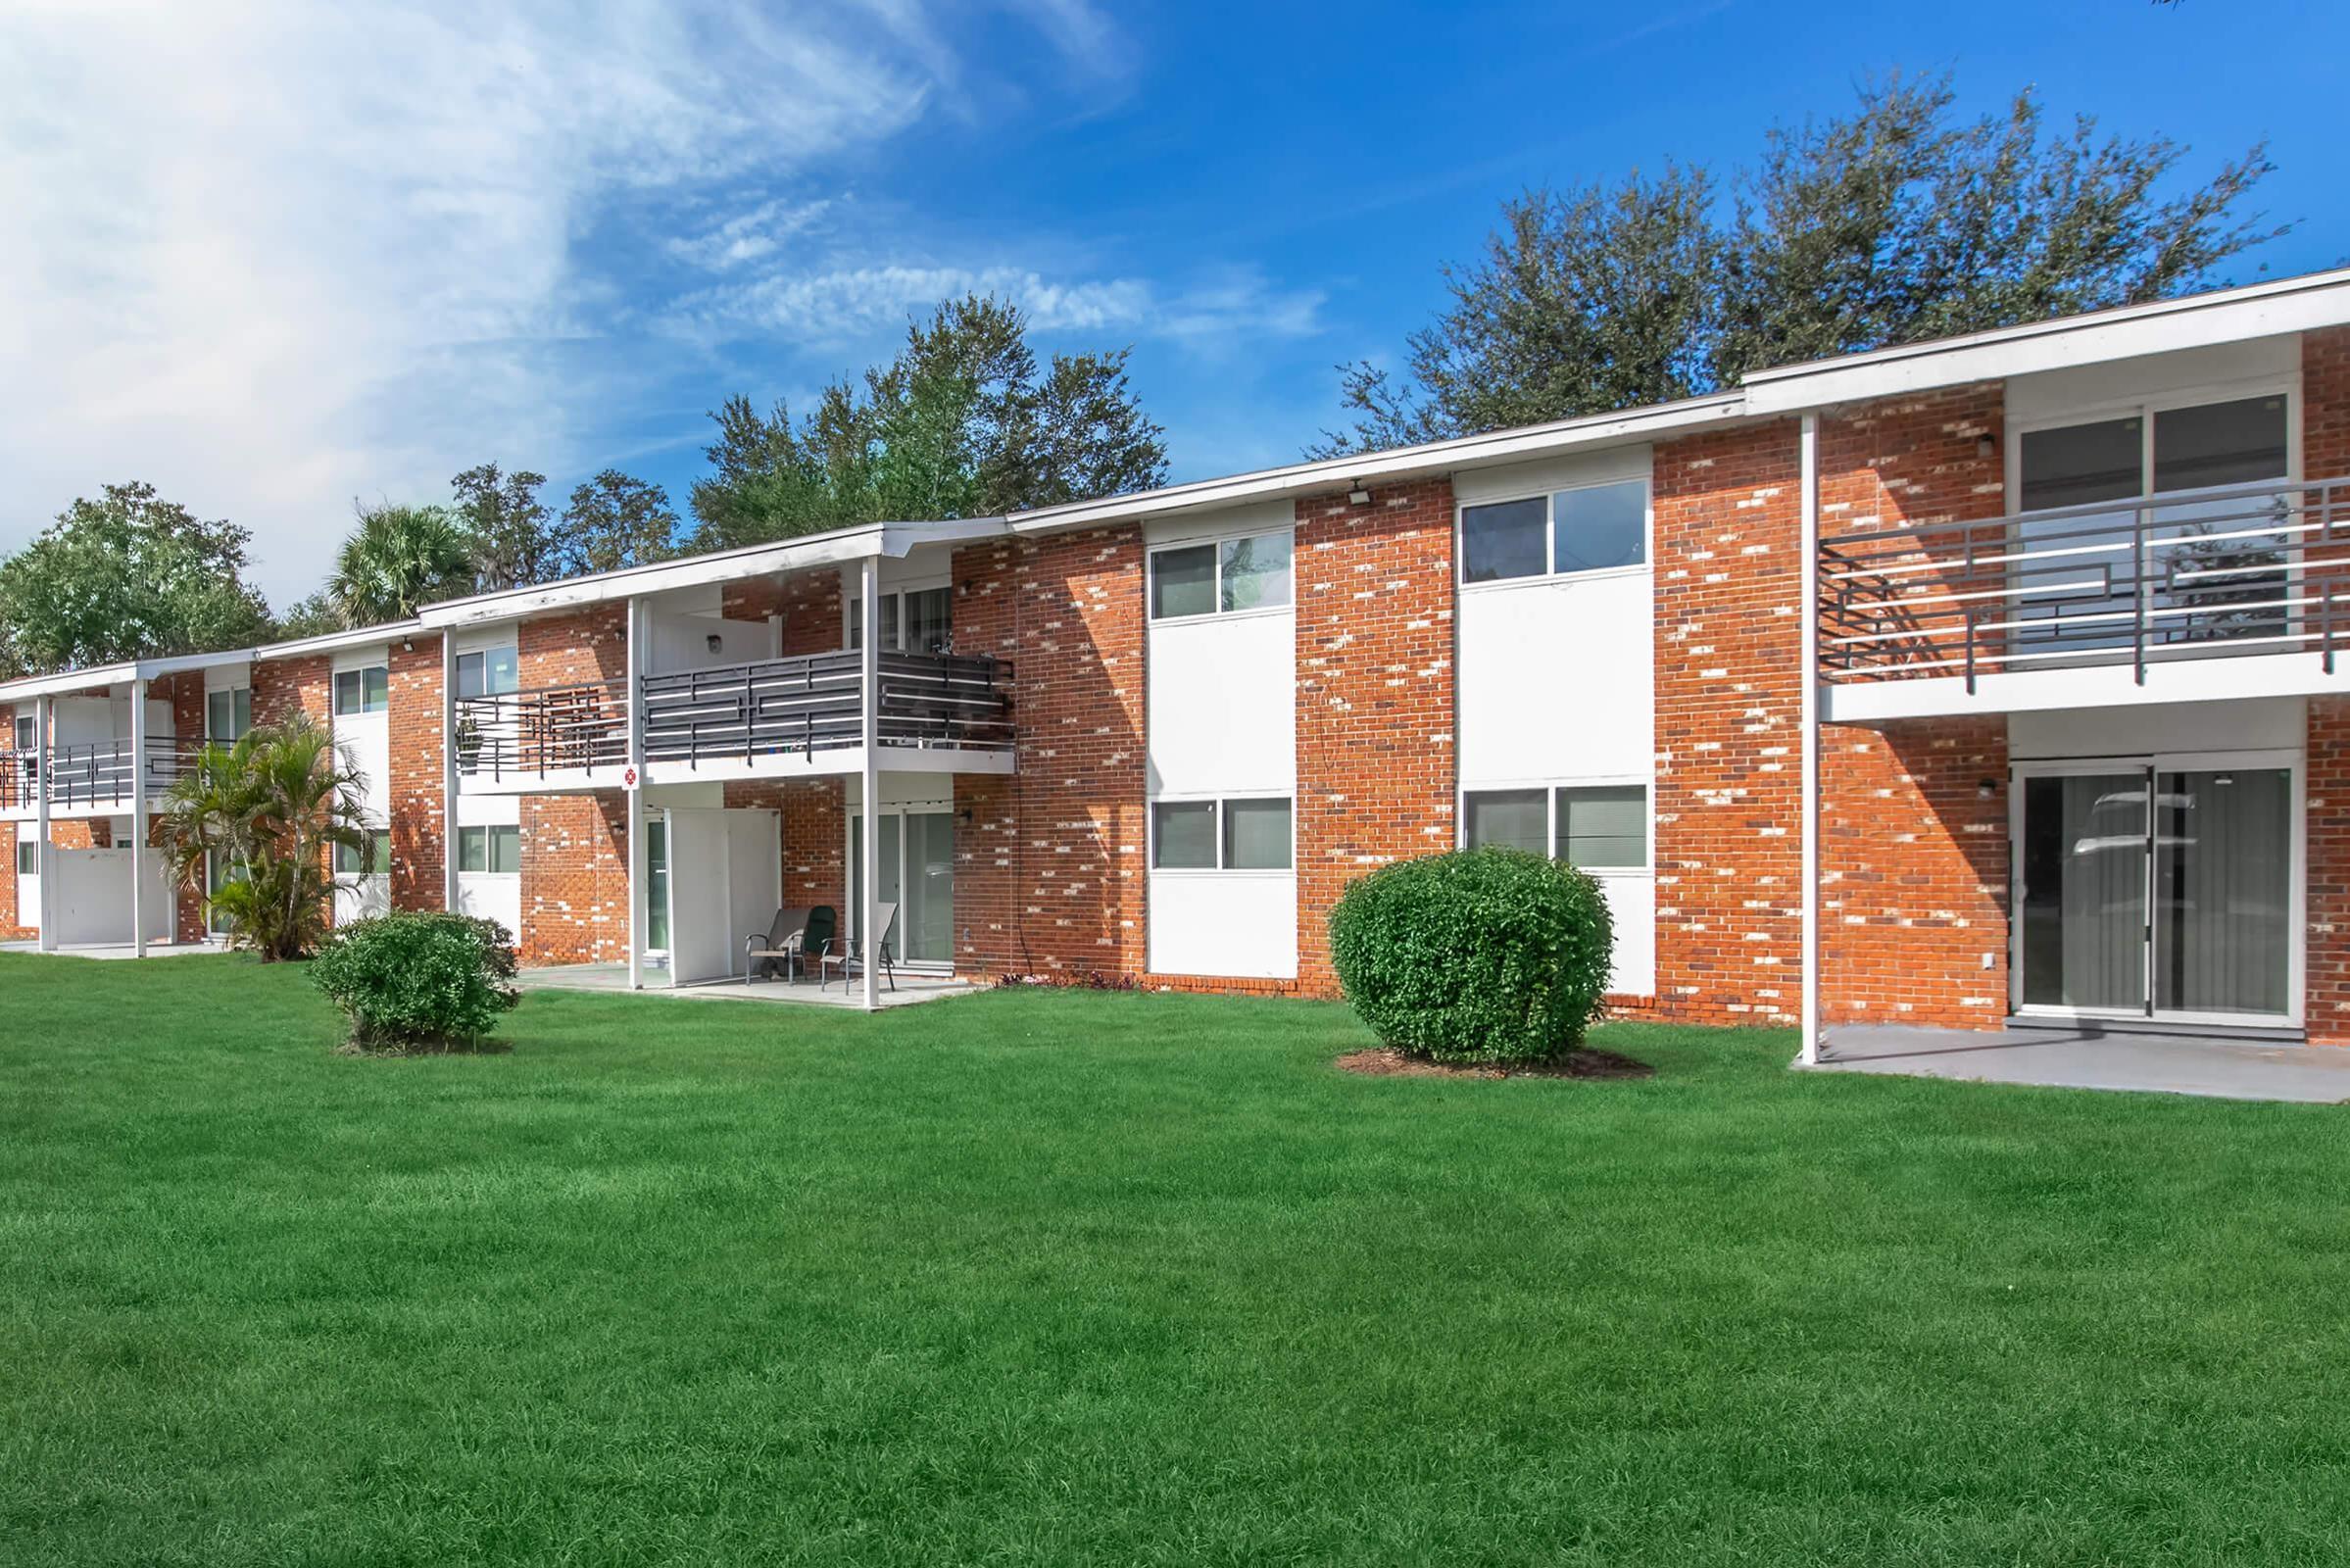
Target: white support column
138, 817
869, 911
44, 858
450, 898
635, 777
1809, 624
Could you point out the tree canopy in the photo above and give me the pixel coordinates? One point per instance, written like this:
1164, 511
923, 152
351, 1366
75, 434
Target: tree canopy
514, 536
127, 575
614, 520
397, 559
963, 422
1894, 223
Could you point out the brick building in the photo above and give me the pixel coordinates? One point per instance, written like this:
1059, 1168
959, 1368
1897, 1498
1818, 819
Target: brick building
1965, 684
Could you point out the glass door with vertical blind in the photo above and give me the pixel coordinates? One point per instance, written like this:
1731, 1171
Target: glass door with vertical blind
2164, 888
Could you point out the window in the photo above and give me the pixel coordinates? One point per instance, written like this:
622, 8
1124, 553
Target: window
375, 861
1235, 835
913, 620
1599, 827
27, 733
28, 857
657, 884
1590, 528
491, 672
228, 714
1225, 577
495, 850
361, 691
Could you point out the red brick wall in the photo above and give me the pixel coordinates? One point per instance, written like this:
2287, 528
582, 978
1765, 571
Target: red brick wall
1377, 762
814, 830
2325, 1000
419, 835
185, 692
1055, 887
284, 687
574, 884
1729, 716
2326, 403
1914, 861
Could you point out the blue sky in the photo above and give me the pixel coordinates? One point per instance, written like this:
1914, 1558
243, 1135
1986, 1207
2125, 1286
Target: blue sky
310, 253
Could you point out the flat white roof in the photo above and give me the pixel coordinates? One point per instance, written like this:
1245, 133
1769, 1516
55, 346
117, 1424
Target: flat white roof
76, 680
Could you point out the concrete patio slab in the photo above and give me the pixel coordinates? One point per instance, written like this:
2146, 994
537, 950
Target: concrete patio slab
613, 978
121, 950
2095, 1059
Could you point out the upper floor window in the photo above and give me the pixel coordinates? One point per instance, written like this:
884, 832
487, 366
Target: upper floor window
1598, 828
488, 673
2242, 441
228, 714
362, 691
913, 620
28, 732
1591, 528
1225, 577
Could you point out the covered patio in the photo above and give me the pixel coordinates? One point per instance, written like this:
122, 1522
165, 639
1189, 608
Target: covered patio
2219, 1067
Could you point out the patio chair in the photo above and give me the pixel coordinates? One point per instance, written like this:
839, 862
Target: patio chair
855, 953
785, 943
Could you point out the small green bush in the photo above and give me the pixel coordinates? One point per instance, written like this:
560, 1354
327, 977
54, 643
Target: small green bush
419, 981
1480, 956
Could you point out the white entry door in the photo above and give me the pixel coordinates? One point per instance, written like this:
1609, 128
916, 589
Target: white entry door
721, 880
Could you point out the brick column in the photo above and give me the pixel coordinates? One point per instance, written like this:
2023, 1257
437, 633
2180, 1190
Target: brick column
1377, 705
419, 835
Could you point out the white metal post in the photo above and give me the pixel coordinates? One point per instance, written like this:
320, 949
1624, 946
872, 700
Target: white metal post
868, 913
43, 857
450, 898
138, 817
1807, 621
634, 777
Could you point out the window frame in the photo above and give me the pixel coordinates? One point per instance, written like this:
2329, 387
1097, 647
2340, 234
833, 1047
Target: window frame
1549, 496
28, 848
231, 693
379, 847
1217, 833
852, 608
486, 834
1551, 789
25, 732
2143, 407
481, 657
1214, 545
360, 673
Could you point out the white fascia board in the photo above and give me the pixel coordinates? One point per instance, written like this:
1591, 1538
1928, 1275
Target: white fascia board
2202, 321
2036, 691
1403, 463
65, 681
74, 680
836, 548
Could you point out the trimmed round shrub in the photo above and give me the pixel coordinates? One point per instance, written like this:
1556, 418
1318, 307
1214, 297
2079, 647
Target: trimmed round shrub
1476, 957
419, 981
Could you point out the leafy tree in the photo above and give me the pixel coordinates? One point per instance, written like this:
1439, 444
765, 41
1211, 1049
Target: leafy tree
1892, 224
963, 422
127, 575
397, 559
616, 521
269, 807
514, 543
310, 615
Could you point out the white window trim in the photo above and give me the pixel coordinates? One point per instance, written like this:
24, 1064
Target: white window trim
896, 591
486, 829
334, 705
2287, 387
1216, 543
1549, 498
1218, 799
485, 654
1550, 788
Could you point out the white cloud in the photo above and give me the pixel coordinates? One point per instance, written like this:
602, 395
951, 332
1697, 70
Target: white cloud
271, 254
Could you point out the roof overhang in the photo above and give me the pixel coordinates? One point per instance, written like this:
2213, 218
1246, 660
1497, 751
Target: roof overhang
842, 545
2130, 331
67, 681
1402, 462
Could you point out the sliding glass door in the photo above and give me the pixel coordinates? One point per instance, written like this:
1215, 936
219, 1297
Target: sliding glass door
917, 875
2163, 888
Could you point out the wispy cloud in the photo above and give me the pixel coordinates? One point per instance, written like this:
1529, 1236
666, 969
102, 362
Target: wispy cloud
271, 254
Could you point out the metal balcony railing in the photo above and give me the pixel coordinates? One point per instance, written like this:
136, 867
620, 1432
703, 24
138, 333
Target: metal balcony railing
554, 729
2223, 572
92, 773
770, 707
815, 703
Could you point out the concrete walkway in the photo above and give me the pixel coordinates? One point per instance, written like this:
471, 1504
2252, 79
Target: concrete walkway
613, 978
121, 950
2095, 1059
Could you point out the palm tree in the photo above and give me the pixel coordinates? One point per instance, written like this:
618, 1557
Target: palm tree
397, 559
269, 808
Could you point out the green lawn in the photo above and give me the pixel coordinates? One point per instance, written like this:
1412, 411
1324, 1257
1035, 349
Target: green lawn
1080, 1278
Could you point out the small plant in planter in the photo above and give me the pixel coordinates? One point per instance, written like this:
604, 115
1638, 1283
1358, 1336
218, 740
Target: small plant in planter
1480, 958
419, 982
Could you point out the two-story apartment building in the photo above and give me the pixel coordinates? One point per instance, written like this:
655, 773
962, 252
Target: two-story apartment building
1984, 680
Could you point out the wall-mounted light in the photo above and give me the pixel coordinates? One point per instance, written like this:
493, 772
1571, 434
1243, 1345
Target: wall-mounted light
713, 642
407, 645
1985, 446
1359, 493
1984, 789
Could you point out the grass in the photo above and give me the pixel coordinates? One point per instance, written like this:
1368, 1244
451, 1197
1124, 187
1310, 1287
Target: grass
1048, 1277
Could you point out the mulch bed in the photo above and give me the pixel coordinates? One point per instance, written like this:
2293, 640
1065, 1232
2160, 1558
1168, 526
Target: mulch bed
1581, 1062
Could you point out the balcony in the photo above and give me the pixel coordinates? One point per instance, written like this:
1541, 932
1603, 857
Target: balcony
738, 720
93, 776
2208, 593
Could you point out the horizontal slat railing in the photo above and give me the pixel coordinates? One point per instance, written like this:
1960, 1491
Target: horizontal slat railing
92, 772
2220, 572
554, 729
814, 702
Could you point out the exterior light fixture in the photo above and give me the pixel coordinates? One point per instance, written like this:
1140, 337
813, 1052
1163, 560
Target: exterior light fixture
407, 645
1357, 493
1986, 788
1985, 446
713, 642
